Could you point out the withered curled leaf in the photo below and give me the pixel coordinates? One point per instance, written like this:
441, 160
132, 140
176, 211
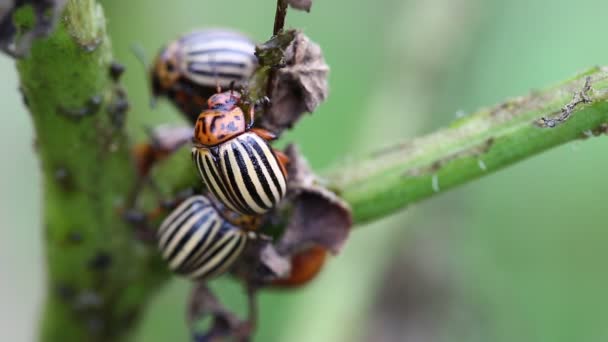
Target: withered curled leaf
317, 221
299, 85
303, 5
224, 323
319, 217
46, 13
260, 264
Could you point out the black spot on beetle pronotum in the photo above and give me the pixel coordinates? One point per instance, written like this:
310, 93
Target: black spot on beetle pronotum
100, 261
231, 127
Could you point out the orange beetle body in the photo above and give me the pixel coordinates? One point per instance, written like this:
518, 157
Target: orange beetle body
222, 122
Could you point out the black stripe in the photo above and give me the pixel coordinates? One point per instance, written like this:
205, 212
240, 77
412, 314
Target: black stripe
221, 182
179, 221
214, 64
187, 265
216, 74
222, 262
235, 249
190, 230
247, 179
251, 143
231, 179
180, 209
256, 145
214, 248
215, 118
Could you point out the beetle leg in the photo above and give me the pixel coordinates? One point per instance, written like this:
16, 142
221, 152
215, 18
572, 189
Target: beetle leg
142, 221
163, 141
283, 161
264, 134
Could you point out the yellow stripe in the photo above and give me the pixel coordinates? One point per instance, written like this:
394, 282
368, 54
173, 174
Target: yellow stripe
217, 258
183, 229
253, 175
265, 171
175, 224
177, 211
273, 162
213, 230
231, 259
238, 177
205, 154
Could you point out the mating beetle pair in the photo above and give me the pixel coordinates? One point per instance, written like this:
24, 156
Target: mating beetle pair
233, 159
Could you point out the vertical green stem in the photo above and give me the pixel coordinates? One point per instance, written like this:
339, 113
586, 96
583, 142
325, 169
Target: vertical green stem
99, 276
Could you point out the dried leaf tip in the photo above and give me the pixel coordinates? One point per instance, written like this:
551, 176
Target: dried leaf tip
319, 216
302, 5
46, 14
299, 85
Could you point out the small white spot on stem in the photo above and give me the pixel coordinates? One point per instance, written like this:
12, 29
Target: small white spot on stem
435, 183
460, 114
482, 165
588, 133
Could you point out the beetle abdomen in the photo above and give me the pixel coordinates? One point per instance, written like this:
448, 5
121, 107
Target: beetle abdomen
217, 57
245, 174
197, 242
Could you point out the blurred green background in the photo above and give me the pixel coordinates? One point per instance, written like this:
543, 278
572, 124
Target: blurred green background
517, 256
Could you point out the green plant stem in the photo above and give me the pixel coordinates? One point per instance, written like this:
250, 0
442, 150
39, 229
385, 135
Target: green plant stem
388, 180
477, 145
99, 276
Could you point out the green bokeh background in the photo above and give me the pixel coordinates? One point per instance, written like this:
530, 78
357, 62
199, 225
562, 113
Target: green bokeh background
517, 256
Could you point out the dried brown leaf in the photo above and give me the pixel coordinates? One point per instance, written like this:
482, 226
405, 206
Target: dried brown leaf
319, 217
298, 87
303, 5
224, 323
260, 264
317, 221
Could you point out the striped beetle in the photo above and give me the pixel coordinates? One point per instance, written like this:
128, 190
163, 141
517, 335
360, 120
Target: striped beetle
234, 159
191, 68
198, 242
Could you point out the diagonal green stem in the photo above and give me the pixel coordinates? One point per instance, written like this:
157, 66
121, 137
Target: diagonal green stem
486, 141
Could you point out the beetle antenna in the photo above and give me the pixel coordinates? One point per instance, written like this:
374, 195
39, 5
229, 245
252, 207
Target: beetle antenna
231, 87
218, 88
139, 53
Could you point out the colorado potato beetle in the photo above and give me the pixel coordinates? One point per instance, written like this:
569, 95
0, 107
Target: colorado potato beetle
191, 68
198, 242
235, 160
